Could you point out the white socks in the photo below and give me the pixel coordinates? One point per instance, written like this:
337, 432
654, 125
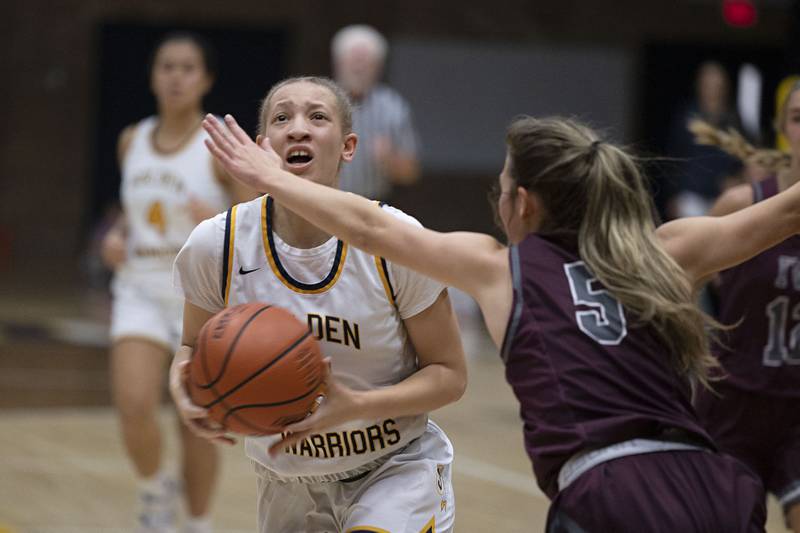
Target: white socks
160, 483
198, 524
158, 503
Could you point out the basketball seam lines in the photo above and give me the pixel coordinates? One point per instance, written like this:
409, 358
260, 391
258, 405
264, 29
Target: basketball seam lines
239, 334
231, 412
259, 371
275, 404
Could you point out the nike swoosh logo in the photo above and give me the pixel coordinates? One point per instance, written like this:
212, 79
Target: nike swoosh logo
243, 271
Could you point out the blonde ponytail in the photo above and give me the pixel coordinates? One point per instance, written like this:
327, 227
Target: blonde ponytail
733, 143
617, 241
594, 192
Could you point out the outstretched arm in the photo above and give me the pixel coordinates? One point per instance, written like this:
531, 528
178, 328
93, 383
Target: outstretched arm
472, 262
705, 245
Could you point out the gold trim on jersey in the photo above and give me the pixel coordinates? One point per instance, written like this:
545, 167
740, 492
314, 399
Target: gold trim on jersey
430, 527
383, 273
229, 255
275, 262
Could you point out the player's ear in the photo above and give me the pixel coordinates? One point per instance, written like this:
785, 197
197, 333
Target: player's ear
525, 204
531, 208
349, 150
259, 138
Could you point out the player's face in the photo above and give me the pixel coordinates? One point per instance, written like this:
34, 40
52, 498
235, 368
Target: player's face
304, 126
713, 89
179, 78
791, 128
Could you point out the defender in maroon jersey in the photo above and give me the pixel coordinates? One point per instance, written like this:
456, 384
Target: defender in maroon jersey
594, 309
609, 424
754, 413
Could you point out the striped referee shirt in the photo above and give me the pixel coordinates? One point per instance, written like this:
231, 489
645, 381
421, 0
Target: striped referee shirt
381, 113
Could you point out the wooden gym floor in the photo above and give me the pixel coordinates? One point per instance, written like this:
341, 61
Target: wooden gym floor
63, 469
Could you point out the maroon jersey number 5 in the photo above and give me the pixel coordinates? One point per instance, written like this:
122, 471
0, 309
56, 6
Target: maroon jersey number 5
604, 321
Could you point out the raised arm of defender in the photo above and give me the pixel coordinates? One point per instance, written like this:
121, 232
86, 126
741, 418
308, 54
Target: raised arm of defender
477, 263
472, 262
703, 246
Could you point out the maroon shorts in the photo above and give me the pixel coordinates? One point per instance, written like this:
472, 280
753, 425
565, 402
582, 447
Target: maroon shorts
762, 431
686, 491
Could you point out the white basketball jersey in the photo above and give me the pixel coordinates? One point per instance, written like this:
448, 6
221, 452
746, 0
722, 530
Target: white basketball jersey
354, 304
155, 192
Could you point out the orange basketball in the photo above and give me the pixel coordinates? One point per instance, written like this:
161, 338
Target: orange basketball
256, 368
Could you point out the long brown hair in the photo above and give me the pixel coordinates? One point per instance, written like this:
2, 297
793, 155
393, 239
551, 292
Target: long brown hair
594, 193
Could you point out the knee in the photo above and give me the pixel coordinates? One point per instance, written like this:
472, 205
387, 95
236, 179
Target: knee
135, 407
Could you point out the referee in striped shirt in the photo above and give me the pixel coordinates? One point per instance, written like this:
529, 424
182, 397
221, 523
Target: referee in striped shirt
387, 144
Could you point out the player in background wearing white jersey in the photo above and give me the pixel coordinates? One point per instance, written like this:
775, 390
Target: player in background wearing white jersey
169, 184
372, 460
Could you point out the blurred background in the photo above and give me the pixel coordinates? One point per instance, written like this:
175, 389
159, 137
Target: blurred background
73, 73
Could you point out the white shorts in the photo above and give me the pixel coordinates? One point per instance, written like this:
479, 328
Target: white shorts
146, 306
411, 492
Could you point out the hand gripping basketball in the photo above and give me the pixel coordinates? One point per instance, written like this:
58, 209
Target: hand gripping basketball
256, 369
195, 418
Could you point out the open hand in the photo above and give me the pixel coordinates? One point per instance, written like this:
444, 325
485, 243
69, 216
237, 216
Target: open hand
250, 163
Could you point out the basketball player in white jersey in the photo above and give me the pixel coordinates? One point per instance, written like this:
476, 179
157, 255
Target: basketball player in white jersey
169, 184
373, 461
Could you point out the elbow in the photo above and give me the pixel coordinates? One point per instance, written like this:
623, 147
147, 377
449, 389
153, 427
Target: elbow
456, 387
459, 389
